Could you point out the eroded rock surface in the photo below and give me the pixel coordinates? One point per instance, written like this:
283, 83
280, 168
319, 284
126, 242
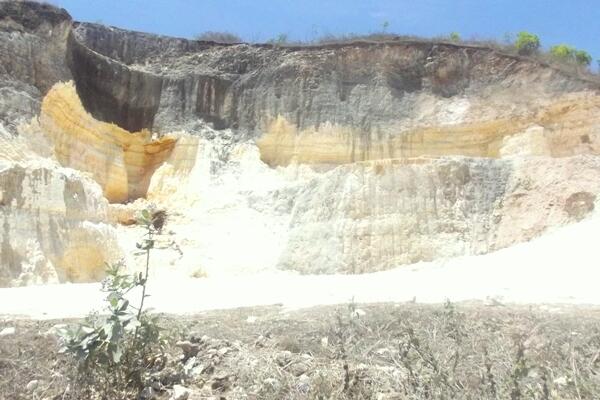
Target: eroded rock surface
121, 162
341, 158
53, 226
33, 41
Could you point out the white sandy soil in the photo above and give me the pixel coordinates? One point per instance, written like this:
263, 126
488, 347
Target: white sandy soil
561, 267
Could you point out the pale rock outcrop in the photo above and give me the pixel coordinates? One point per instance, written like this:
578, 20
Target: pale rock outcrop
218, 194
52, 226
358, 217
532, 142
544, 193
374, 216
377, 216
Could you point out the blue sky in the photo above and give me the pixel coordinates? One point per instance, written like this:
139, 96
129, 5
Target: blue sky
575, 22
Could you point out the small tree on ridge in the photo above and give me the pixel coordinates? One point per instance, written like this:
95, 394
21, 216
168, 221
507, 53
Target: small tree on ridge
527, 43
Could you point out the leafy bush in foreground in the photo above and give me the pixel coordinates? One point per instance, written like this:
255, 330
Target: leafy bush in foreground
120, 350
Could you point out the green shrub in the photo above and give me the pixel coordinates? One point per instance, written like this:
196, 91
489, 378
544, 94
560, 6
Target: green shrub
527, 43
566, 53
454, 37
582, 57
115, 354
562, 52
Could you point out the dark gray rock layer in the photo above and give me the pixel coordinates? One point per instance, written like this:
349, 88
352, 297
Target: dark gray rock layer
32, 57
140, 80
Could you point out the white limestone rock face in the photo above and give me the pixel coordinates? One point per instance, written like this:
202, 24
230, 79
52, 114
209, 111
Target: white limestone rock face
228, 211
51, 225
231, 214
365, 218
531, 142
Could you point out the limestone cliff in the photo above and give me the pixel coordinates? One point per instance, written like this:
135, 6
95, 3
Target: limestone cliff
350, 157
53, 226
378, 216
376, 89
358, 217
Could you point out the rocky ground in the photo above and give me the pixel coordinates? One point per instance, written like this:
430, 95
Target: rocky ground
383, 351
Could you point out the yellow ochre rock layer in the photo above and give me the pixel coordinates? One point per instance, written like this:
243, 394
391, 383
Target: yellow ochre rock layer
566, 126
122, 162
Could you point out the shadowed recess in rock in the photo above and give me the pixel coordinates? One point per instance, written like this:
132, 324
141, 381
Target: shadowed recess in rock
112, 92
121, 162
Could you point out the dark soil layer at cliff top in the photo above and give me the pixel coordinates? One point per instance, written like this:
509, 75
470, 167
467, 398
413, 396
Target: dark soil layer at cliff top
391, 352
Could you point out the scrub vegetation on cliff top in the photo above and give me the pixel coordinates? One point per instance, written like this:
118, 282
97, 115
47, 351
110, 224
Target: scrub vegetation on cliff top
524, 44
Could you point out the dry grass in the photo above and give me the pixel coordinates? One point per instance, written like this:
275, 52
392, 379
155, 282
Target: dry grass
372, 352
29, 355
503, 47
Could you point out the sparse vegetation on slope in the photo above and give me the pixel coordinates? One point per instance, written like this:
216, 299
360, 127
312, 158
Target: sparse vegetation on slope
383, 351
525, 44
454, 36
569, 54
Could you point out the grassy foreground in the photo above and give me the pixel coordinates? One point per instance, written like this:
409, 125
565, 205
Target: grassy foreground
381, 351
